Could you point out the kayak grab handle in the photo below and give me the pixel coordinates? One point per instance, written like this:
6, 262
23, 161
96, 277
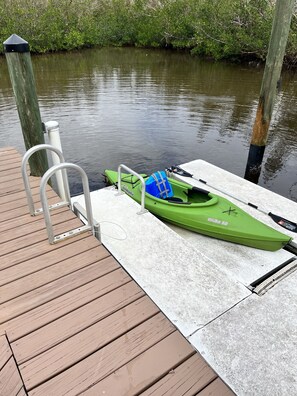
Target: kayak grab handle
122, 166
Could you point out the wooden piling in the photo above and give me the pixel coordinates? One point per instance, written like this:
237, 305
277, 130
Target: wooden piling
23, 83
270, 82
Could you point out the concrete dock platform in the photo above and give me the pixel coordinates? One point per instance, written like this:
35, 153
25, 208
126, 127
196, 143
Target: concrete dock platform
204, 286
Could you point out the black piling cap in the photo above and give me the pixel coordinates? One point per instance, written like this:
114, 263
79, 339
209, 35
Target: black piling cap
16, 44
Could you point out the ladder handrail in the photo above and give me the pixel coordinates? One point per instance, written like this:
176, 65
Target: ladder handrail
122, 166
45, 206
25, 176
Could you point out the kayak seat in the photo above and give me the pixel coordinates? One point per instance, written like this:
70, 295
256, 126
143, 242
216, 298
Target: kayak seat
158, 185
177, 200
174, 199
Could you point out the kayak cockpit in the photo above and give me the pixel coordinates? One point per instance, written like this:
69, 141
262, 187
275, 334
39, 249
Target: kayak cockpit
160, 187
165, 190
188, 197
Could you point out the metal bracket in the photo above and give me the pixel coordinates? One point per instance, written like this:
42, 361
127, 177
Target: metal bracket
79, 211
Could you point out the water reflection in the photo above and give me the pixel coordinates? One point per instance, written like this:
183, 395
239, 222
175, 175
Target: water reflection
151, 109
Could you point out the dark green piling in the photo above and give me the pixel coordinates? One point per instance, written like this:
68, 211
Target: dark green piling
271, 81
18, 58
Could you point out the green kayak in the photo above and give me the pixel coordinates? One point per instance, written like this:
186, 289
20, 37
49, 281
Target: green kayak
199, 211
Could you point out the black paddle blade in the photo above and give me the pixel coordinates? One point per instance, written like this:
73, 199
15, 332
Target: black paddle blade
287, 224
179, 171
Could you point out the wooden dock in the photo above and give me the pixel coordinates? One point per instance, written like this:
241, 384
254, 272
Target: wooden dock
72, 321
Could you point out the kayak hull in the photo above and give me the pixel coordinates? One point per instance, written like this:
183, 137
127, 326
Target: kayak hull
205, 213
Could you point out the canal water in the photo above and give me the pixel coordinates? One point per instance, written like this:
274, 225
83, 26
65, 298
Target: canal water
150, 109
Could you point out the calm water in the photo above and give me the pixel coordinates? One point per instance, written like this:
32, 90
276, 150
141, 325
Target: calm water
152, 109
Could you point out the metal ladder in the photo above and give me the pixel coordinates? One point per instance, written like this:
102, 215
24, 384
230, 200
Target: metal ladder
46, 208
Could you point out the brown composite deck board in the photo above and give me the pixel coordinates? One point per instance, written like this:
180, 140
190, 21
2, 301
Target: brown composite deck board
217, 387
6, 156
21, 196
61, 226
11, 160
10, 380
95, 367
10, 166
7, 153
52, 273
12, 172
39, 263
11, 229
15, 209
8, 160
13, 166
7, 149
75, 320
4, 167
54, 289
40, 248
139, 372
19, 199
22, 392
10, 177
18, 212
40, 316
187, 379
15, 186
81, 345
5, 351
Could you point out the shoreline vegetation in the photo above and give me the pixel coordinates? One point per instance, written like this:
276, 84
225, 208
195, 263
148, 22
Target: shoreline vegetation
233, 30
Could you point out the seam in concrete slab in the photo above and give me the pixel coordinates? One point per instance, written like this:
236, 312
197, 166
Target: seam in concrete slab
292, 270
217, 317
223, 269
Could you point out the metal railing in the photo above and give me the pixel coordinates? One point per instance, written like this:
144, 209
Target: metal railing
46, 209
25, 176
122, 166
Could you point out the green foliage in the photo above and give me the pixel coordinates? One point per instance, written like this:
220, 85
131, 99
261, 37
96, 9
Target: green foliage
221, 29
237, 28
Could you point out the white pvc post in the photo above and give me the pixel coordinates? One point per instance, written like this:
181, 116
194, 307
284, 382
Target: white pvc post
53, 130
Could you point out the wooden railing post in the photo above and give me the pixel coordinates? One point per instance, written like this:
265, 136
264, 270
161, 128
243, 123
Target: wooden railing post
23, 83
270, 82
